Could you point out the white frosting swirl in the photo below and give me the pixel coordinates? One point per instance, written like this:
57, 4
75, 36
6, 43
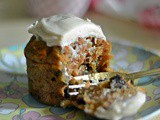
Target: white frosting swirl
62, 30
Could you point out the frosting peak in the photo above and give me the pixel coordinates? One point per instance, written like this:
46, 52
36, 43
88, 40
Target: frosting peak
62, 30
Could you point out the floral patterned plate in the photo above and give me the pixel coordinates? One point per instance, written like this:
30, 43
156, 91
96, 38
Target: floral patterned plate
17, 104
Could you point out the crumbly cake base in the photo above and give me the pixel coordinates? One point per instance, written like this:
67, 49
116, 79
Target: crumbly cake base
105, 95
45, 67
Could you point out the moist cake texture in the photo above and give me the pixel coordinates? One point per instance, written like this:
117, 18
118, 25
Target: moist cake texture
111, 99
63, 46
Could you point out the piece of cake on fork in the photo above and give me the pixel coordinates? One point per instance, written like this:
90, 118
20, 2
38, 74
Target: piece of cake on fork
113, 99
62, 47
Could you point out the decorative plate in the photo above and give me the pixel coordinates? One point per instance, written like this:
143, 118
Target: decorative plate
17, 104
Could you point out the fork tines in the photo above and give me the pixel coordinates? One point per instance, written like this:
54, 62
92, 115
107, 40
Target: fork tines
92, 79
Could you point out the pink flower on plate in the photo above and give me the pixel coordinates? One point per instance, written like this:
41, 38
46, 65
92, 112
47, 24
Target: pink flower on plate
12, 90
148, 98
33, 115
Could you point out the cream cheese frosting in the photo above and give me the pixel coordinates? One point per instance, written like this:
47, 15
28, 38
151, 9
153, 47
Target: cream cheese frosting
62, 30
122, 108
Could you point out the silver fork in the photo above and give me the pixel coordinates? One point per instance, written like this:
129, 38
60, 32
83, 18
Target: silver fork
96, 78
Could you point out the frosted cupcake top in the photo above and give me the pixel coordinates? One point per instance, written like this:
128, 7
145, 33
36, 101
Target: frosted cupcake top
62, 30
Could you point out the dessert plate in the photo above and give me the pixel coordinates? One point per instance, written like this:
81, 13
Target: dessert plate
17, 104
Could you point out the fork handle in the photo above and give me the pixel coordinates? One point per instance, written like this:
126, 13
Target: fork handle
136, 75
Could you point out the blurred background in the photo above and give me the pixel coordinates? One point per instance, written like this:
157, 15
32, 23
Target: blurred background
137, 21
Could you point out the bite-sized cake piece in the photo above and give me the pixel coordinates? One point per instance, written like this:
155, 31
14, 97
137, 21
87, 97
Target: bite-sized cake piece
112, 99
63, 46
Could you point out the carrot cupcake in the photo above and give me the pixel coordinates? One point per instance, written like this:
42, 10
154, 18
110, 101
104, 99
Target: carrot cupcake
63, 46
